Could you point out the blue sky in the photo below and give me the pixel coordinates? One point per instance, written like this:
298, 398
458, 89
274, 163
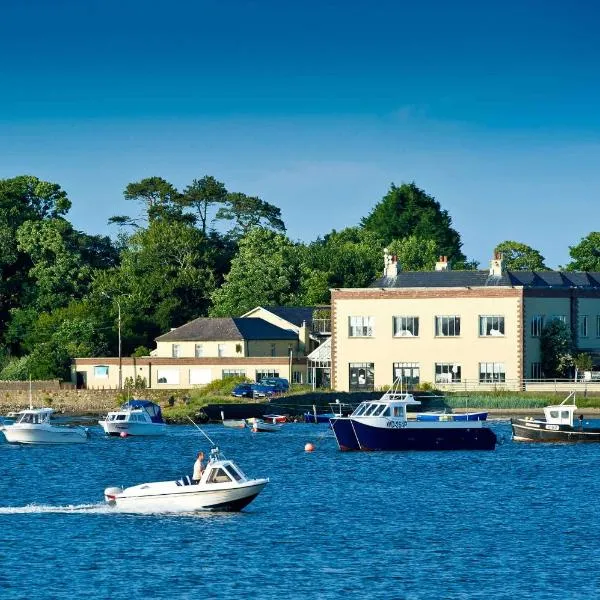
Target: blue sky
315, 107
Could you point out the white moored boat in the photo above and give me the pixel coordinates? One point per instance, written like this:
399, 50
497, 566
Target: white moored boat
223, 487
32, 426
136, 417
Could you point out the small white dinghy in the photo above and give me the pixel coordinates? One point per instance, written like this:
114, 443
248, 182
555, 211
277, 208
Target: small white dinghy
257, 425
32, 426
223, 487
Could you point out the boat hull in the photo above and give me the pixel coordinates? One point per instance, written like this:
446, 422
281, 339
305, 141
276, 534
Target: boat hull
23, 434
352, 434
475, 416
528, 430
193, 498
115, 428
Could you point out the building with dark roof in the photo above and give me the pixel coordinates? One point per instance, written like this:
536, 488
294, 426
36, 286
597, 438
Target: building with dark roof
457, 329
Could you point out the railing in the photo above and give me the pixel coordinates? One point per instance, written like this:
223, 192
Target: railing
321, 326
525, 385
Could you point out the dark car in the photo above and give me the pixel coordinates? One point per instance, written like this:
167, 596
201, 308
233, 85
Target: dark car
263, 391
243, 390
280, 384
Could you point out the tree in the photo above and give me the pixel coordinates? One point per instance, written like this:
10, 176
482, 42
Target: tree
202, 195
266, 271
582, 362
414, 253
585, 255
408, 210
556, 348
248, 212
520, 257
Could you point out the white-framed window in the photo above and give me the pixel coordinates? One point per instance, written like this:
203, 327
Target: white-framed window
447, 326
583, 326
265, 374
536, 370
175, 350
410, 373
233, 373
198, 350
101, 372
491, 372
221, 350
406, 326
537, 324
491, 325
296, 376
447, 373
200, 376
362, 376
361, 326
168, 376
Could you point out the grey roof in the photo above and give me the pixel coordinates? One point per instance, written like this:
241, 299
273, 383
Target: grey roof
294, 314
526, 279
227, 329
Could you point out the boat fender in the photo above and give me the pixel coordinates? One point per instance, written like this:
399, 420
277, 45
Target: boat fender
110, 494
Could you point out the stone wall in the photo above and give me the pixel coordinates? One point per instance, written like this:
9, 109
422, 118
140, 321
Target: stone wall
78, 401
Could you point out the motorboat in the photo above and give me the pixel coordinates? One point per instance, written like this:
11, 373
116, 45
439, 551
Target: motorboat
383, 425
233, 423
558, 425
275, 418
135, 417
258, 425
223, 487
442, 416
33, 426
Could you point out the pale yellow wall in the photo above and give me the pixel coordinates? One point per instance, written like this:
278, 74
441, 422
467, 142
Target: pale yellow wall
209, 349
383, 349
263, 347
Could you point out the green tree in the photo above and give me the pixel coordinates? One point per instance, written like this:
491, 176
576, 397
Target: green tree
414, 253
266, 271
585, 255
556, 348
407, 210
582, 362
248, 212
202, 195
520, 257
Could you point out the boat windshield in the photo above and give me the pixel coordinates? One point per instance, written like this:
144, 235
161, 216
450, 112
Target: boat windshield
33, 418
379, 411
360, 409
218, 475
371, 409
233, 472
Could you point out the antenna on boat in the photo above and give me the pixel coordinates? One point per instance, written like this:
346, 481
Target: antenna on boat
30, 398
201, 431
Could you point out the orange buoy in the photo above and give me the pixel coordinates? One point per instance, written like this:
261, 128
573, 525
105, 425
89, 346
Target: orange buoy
123, 434
308, 447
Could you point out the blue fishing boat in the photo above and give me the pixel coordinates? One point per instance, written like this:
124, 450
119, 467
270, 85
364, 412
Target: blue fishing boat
383, 425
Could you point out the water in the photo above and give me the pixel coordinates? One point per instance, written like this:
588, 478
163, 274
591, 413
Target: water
518, 522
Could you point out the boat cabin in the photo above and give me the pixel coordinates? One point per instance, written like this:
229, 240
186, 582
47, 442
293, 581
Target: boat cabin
34, 416
561, 414
130, 416
391, 404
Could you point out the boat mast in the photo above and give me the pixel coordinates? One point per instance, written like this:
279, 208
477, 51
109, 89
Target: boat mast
30, 398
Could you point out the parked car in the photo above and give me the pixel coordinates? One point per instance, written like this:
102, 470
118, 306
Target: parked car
263, 391
279, 383
243, 390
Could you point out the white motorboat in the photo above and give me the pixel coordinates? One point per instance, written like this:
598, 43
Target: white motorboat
32, 426
136, 417
223, 487
261, 425
232, 423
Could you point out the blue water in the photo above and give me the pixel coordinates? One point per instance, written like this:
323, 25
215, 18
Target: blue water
519, 522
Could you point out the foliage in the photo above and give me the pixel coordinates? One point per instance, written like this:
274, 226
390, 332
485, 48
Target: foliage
140, 351
556, 346
408, 210
414, 253
582, 362
520, 257
249, 212
266, 271
202, 195
585, 255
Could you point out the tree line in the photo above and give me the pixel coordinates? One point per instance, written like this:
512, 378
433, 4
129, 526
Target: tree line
200, 251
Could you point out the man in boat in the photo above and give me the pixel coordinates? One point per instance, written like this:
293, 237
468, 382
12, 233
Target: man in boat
198, 468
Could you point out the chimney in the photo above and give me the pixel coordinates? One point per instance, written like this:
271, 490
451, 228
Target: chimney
442, 264
496, 265
390, 264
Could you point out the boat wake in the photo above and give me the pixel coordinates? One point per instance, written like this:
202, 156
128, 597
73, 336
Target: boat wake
47, 508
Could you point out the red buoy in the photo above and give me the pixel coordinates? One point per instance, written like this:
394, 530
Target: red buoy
308, 447
123, 434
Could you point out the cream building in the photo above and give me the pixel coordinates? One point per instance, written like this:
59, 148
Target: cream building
456, 329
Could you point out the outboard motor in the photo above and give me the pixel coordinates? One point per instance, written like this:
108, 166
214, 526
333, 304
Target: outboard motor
110, 494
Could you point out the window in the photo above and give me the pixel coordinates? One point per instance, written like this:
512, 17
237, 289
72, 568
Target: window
408, 371
536, 370
233, 373
561, 318
221, 350
273, 350
233, 472
200, 376
537, 324
176, 351
406, 326
583, 326
490, 372
198, 351
491, 325
597, 325
297, 377
362, 376
218, 476
101, 372
447, 373
447, 326
260, 375
167, 376
361, 326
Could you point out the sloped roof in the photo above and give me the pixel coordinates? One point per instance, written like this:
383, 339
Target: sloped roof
294, 314
226, 329
527, 279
